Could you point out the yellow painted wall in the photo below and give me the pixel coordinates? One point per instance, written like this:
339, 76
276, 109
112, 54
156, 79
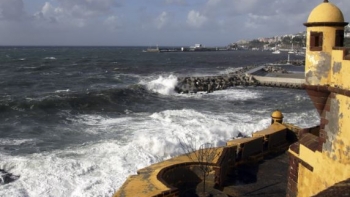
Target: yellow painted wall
342, 142
318, 63
340, 70
330, 166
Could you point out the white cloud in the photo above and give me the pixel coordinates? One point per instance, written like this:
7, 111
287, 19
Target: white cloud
87, 8
75, 13
150, 22
196, 19
162, 20
47, 8
256, 21
113, 22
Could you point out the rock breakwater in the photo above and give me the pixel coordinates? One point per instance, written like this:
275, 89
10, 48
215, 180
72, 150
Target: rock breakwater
221, 82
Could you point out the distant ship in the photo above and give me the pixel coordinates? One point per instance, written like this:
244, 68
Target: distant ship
152, 50
276, 52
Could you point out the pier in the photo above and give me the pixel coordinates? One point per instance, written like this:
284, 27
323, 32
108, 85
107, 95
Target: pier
277, 79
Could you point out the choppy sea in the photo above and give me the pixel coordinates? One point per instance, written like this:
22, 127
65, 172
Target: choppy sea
77, 121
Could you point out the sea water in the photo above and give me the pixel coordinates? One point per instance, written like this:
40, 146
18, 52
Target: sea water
77, 121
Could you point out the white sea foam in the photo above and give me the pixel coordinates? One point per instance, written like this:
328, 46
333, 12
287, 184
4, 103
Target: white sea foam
15, 142
161, 85
97, 124
60, 91
121, 77
92, 170
49, 58
29, 67
100, 168
303, 119
229, 70
231, 94
236, 94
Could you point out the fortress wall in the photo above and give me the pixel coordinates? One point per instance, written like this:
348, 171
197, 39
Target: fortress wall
340, 68
170, 177
225, 164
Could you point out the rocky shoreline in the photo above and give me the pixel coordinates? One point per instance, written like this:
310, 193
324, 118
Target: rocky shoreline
211, 83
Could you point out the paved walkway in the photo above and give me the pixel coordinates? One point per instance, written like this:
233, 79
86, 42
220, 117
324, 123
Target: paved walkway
268, 178
265, 179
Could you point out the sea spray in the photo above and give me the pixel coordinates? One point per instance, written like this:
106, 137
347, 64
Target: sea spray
162, 85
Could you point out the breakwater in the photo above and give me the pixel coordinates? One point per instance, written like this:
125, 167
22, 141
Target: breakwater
268, 75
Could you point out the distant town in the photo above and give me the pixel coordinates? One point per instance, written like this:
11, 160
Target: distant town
292, 43
284, 43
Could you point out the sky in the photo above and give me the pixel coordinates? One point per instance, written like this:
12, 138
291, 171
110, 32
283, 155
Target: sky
151, 22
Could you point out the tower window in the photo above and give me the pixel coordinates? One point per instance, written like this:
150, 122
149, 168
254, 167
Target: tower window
339, 38
316, 41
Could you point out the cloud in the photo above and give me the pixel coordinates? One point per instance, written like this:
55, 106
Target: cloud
162, 20
149, 22
11, 10
87, 8
196, 19
47, 13
76, 13
113, 22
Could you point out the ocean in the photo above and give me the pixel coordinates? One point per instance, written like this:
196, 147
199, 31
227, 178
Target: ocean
77, 121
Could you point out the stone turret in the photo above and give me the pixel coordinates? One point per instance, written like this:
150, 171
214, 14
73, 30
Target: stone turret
325, 30
321, 159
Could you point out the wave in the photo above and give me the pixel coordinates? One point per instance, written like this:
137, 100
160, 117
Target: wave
50, 58
15, 142
161, 85
145, 140
231, 94
117, 100
229, 70
59, 91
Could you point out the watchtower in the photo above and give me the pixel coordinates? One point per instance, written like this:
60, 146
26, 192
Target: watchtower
321, 157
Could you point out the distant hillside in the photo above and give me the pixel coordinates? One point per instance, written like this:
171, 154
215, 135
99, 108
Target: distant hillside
289, 41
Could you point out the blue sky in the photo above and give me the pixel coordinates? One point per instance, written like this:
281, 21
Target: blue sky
151, 22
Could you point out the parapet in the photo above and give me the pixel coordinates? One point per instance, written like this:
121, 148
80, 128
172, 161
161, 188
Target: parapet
170, 177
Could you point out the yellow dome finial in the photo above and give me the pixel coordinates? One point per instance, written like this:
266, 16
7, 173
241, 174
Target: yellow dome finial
276, 116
